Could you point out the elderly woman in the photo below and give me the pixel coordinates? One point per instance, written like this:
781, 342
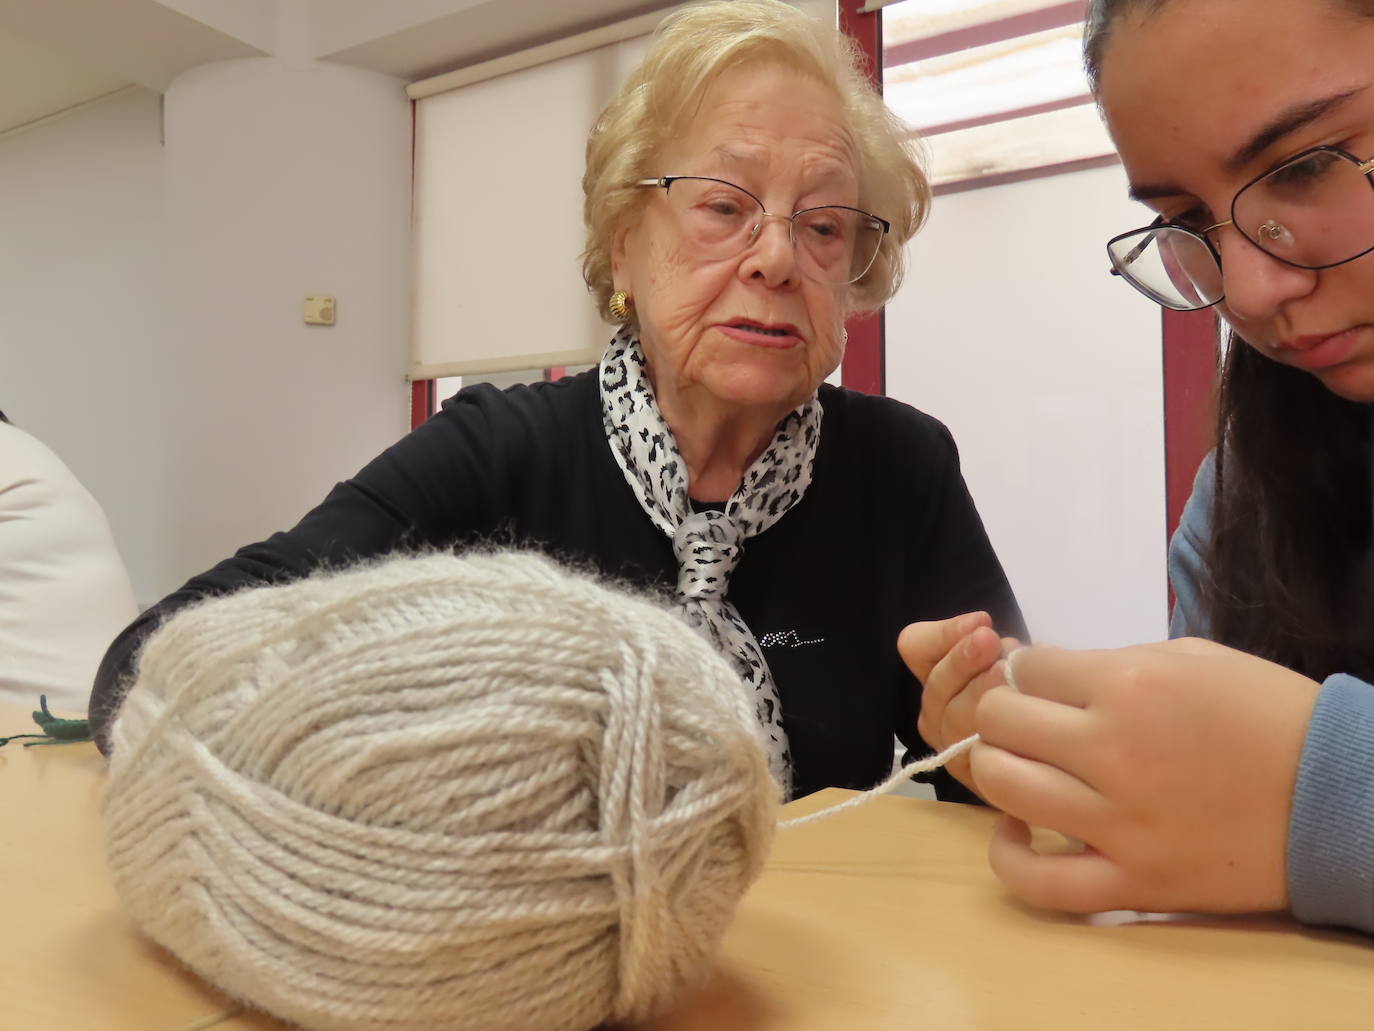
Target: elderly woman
746, 191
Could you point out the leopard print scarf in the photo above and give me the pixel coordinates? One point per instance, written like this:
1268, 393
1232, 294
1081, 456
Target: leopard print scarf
709, 544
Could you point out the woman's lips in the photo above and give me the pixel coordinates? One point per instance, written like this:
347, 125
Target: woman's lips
781, 337
1320, 352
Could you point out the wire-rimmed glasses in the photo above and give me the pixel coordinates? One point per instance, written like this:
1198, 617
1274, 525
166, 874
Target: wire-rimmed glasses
1314, 211
834, 244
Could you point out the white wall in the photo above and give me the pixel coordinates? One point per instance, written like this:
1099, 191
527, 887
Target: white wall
283, 179
150, 300
85, 361
1047, 371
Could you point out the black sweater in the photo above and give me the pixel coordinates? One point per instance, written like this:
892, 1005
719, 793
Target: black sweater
886, 534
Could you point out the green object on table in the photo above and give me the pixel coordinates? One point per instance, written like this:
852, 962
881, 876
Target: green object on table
56, 730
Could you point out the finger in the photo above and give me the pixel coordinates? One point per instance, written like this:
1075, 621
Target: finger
1059, 735
968, 657
1037, 792
949, 683
1009, 645
1186, 646
1085, 882
960, 715
959, 770
1059, 674
922, 645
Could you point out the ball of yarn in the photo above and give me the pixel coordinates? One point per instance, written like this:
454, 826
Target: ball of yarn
438, 792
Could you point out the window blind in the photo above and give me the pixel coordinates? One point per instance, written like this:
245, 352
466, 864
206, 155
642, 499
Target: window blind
498, 206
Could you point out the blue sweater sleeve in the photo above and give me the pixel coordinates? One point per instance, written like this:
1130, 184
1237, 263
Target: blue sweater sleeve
1331, 833
1185, 556
1331, 829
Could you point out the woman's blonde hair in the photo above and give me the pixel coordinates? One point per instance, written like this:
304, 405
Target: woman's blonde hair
691, 50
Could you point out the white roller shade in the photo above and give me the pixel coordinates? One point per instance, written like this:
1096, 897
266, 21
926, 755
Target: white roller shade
498, 206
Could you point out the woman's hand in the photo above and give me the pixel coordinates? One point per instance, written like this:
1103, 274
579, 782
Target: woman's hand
1174, 763
956, 660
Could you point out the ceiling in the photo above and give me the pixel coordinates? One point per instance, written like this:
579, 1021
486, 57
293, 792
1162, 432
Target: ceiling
36, 82
59, 54
56, 55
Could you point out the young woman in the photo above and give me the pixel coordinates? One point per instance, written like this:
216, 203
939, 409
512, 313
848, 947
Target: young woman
1234, 773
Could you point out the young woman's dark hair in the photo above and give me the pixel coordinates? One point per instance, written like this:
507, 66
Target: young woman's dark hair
1291, 518
1103, 15
1290, 521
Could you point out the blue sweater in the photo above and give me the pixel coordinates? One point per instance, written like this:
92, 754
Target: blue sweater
1331, 832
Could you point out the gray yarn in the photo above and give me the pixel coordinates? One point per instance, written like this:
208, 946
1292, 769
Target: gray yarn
438, 792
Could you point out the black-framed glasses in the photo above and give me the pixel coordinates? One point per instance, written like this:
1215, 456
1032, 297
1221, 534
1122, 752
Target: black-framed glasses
1313, 211
834, 244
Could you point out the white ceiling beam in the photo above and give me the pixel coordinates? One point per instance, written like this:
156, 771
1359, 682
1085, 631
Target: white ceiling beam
139, 41
252, 21
484, 31
36, 83
344, 24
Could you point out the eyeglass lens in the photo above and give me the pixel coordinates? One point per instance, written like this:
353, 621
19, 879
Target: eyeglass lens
1313, 212
833, 244
1173, 267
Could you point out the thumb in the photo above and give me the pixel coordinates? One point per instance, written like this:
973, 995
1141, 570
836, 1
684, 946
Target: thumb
1083, 882
922, 645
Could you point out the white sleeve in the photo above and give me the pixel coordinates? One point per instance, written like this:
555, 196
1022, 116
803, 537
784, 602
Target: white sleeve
64, 592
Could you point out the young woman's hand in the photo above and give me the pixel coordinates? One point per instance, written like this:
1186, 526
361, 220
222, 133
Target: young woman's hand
957, 660
1174, 763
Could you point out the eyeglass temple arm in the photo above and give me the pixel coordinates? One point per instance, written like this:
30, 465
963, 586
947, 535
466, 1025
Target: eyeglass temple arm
1160, 223
1139, 248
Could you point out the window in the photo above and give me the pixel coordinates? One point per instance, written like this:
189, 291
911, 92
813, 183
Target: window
996, 87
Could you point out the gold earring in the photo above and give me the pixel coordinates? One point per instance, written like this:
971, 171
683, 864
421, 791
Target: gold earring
620, 306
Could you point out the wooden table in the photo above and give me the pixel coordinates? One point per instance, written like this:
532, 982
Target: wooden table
883, 918
69, 960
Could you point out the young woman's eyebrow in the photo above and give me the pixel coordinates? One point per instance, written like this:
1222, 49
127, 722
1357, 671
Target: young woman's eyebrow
1287, 122
1154, 191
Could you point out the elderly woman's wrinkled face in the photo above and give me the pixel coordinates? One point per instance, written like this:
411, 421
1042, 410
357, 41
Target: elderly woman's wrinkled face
752, 328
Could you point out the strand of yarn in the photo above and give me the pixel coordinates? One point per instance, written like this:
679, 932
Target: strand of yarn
1009, 667
926, 765
56, 729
